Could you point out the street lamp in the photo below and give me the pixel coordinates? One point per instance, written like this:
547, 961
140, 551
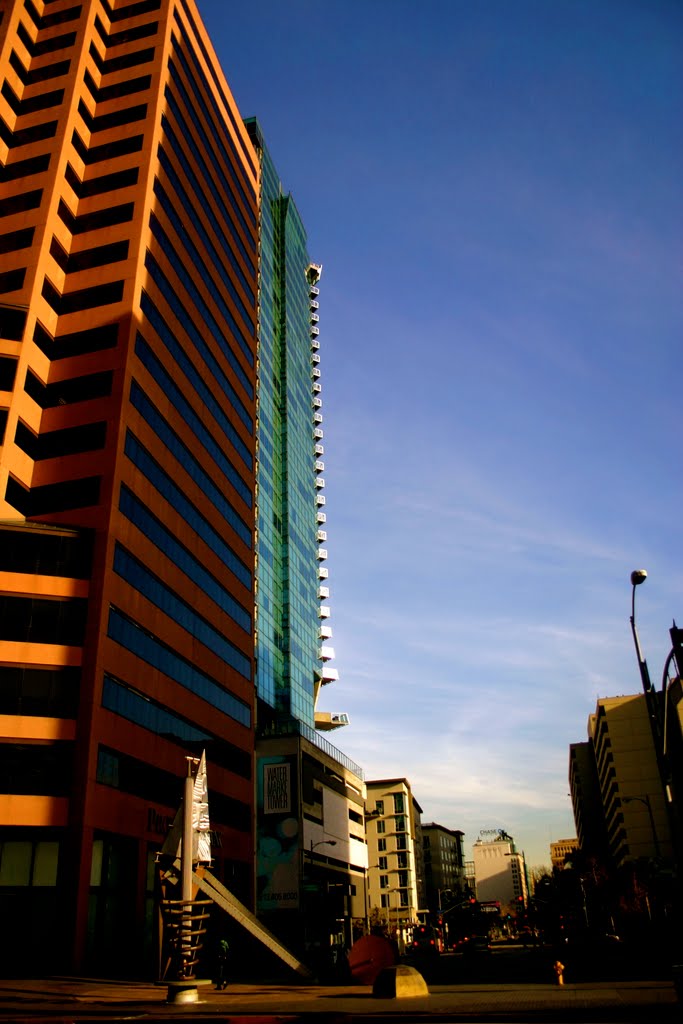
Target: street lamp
323, 842
646, 800
652, 698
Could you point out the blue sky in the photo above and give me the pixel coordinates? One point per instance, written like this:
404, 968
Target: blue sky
494, 191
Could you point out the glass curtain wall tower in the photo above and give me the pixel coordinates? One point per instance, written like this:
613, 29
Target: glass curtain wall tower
291, 655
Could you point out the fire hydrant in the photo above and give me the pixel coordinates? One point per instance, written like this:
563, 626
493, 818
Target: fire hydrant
559, 972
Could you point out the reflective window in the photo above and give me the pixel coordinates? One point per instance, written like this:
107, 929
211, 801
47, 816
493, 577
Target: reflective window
150, 649
179, 449
194, 377
139, 577
173, 494
164, 540
147, 713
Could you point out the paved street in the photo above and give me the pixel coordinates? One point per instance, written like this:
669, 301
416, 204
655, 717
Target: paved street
79, 1000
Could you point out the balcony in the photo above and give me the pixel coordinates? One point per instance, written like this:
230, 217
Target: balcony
326, 653
314, 318
321, 536
319, 466
323, 610
320, 481
323, 573
318, 434
320, 517
315, 331
317, 403
315, 372
330, 675
319, 449
320, 499
322, 554
317, 417
325, 721
315, 358
314, 304
313, 291
315, 344
323, 593
317, 388
325, 633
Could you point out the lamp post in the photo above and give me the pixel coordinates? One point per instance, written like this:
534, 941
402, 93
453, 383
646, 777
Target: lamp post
323, 842
653, 700
646, 801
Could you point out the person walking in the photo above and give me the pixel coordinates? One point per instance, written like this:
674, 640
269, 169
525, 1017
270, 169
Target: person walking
222, 953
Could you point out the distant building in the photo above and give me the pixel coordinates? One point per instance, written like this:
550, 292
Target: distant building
561, 851
500, 871
444, 863
396, 893
589, 816
629, 784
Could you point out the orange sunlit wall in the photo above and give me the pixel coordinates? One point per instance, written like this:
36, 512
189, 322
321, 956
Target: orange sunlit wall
128, 304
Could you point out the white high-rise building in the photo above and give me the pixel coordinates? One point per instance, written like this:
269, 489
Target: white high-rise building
499, 871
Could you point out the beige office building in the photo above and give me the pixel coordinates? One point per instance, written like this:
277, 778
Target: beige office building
395, 858
630, 786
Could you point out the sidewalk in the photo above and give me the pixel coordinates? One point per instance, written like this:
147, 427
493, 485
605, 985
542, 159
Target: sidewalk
79, 999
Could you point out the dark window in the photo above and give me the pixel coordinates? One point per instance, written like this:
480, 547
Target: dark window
70, 390
8, 372
59, 497
188, 365
115, 119
13, 241
108, 151
105, 183
3, 425
217, 83
39, 49
116, 91
128, 35
177, 395
36, 75
12, 280
12, 322
125, 60
98, 256
92, 221
47, 693
36, 769
59, 253
130, 10
156, 718
195, 471
194, 569
33, 103
37, 620
78, 343
24, 168
166, 600
59, 17
126, 632
21, 203
129, 774
232, 159
27, 136
82, 298
88, 437
45, 552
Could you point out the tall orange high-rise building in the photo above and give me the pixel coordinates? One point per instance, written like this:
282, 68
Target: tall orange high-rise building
128, 311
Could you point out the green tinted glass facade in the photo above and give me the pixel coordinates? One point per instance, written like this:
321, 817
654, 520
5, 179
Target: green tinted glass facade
287, 602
